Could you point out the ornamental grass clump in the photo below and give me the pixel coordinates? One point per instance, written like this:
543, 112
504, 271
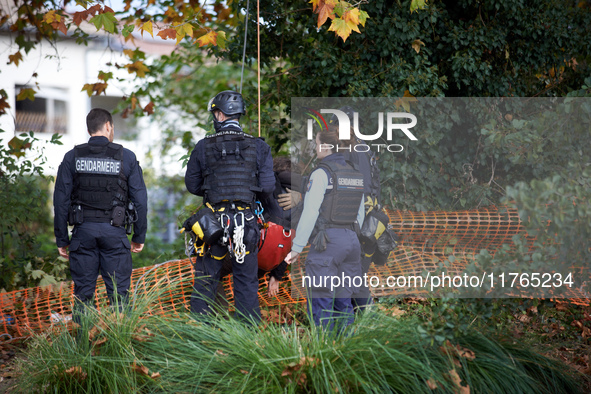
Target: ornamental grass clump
140, 352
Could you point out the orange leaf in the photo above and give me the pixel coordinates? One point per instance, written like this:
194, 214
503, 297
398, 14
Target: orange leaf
149, 109
167, 33
325, 10
155, 375
79, 16
76, 372
209, 38
141, 369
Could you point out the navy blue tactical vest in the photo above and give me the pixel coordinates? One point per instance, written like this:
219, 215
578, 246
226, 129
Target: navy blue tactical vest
99, 182
231, 174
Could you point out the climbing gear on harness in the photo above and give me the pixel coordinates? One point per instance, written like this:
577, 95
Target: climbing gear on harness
239, 247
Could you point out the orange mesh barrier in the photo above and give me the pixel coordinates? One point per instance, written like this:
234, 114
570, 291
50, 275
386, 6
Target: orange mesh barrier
426, 239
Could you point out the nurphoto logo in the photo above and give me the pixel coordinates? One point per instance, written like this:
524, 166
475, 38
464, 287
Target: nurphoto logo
344, 126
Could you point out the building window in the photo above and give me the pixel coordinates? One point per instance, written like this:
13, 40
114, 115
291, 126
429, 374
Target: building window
48, 113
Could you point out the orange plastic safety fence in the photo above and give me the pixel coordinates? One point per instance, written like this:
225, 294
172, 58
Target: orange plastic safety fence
426, 239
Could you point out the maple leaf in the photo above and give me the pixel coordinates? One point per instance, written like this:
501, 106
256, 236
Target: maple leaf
79, 16
341, 28
137, 67
351, 17
51, 17
127, 30
363, 17
15, 58
106, 20
147, 27
3, 104
61, 26
94, 9
91, 88
325, 10
314, 4
416, 45
149, 108
417, 5
221, 39
26, 94
167, 33
209, 38
105, 76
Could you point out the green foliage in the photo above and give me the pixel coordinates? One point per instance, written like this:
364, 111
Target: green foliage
140, 352
25, 224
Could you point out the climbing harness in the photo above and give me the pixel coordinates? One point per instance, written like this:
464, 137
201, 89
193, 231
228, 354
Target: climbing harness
239, 247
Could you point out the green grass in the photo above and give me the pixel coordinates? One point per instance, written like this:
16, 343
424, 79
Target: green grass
138, 352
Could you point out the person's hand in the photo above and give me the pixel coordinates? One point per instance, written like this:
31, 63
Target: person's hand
289, 200
63, 251
136, 248
273, 287
291, 257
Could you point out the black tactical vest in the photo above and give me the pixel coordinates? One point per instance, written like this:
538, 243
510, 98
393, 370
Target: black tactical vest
231, 173
340, 206
99, 182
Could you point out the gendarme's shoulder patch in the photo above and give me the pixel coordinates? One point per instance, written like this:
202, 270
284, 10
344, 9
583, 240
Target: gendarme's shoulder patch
95, 165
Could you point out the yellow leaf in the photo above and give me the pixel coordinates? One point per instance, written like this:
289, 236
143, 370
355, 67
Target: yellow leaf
188, 29
416, 45
51, 17
341, 28
221, 39
314, 4
209, 38
128, 52
137, 67
147, 27
417, 5
15, 58
352, 16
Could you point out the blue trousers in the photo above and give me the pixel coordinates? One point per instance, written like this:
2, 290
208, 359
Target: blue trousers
330, 278
207, 273
100, 248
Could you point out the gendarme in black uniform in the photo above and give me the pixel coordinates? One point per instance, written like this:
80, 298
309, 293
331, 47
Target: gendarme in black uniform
229, 169
93, 180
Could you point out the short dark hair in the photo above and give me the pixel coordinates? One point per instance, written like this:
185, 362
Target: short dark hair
281, 163
96, 119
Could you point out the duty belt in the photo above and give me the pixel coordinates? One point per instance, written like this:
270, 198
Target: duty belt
97, 216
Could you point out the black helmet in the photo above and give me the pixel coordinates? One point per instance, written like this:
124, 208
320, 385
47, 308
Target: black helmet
229, 102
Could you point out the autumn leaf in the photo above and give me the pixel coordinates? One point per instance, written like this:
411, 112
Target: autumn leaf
167, 33
432, 384
416, 45
26, 94
341, 28
363, 16
352, 16
209, 38
147, 27
97, 88
141, 369
314, 4
76, 372
325, 10
137, 67
79, 16
15, 58
149, 108
51, 17
155, 375
221, 39
417, 5
457, 381
105, 76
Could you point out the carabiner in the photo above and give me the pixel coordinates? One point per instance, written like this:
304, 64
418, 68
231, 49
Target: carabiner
238, 214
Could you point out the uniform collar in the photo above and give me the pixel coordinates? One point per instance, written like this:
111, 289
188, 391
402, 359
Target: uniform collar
98, 140
335, 157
